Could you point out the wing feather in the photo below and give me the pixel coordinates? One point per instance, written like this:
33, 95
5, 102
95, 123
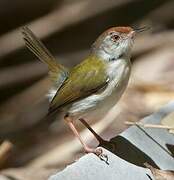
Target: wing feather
86, 78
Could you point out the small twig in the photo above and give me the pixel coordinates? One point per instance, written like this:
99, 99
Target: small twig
160, 174
159, 126
5, 149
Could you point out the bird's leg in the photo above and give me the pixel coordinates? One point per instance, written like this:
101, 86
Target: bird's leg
102, 142
97, 151
99, 138
87, 149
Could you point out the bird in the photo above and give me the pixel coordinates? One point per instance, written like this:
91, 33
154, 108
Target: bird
92, 87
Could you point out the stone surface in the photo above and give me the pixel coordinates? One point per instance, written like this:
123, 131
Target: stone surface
153, 141
90, 167
127, 154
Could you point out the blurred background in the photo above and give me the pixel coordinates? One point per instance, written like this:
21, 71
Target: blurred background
68, 28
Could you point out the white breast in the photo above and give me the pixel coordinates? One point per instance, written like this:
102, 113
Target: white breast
118, 72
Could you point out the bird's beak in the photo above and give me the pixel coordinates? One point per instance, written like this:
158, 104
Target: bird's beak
141, 29
137, 31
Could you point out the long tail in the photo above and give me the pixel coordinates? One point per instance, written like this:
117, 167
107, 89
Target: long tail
38, 48
58, 73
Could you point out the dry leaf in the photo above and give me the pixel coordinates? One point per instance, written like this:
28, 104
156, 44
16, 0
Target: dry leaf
160, 174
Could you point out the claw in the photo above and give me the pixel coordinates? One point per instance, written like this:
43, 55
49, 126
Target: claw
103, 157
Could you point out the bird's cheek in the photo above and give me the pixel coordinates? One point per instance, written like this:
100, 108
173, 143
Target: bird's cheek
114, 46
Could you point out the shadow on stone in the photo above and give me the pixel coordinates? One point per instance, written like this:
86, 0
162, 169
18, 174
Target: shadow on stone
170, 147
127, 151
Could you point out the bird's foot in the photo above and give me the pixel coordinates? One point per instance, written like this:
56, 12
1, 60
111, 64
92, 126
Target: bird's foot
99, 153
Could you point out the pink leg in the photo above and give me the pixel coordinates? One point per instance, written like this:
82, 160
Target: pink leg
87, 149
99, 138
101, 141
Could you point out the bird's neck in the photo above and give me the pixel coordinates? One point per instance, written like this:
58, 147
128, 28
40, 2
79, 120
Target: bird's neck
110, 56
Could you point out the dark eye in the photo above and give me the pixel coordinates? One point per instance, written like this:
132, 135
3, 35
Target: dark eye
115, 37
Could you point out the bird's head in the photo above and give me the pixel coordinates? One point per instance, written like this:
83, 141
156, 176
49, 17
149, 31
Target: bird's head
116, 41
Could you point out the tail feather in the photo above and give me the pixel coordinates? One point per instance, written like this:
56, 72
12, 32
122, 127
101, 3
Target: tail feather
57, 72
38, 48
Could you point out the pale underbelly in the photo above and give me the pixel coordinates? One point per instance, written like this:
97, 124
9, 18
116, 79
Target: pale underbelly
98, 109
102, 108
97, 105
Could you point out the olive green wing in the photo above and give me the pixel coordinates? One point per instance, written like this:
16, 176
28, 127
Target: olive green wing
57, 72
84, 79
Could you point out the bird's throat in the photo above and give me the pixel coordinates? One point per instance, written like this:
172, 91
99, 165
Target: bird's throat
110, 56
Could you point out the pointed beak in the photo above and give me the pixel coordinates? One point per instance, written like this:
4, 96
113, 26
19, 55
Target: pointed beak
141, 29
137, 31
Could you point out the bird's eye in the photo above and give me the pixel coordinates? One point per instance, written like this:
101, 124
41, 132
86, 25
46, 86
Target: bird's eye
115, 37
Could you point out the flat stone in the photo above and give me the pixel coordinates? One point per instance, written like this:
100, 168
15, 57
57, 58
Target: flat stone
127, 154
153, 141
90, 167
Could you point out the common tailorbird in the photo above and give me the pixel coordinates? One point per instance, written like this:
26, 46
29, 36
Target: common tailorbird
95, 85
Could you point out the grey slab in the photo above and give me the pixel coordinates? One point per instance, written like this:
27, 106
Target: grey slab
136, 145
153, 141
161, 136
90, 167
160, 156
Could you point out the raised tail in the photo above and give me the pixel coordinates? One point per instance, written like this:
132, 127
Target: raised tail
38, 48
58, 73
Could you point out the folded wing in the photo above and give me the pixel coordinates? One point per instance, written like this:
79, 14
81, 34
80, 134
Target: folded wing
85, 79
